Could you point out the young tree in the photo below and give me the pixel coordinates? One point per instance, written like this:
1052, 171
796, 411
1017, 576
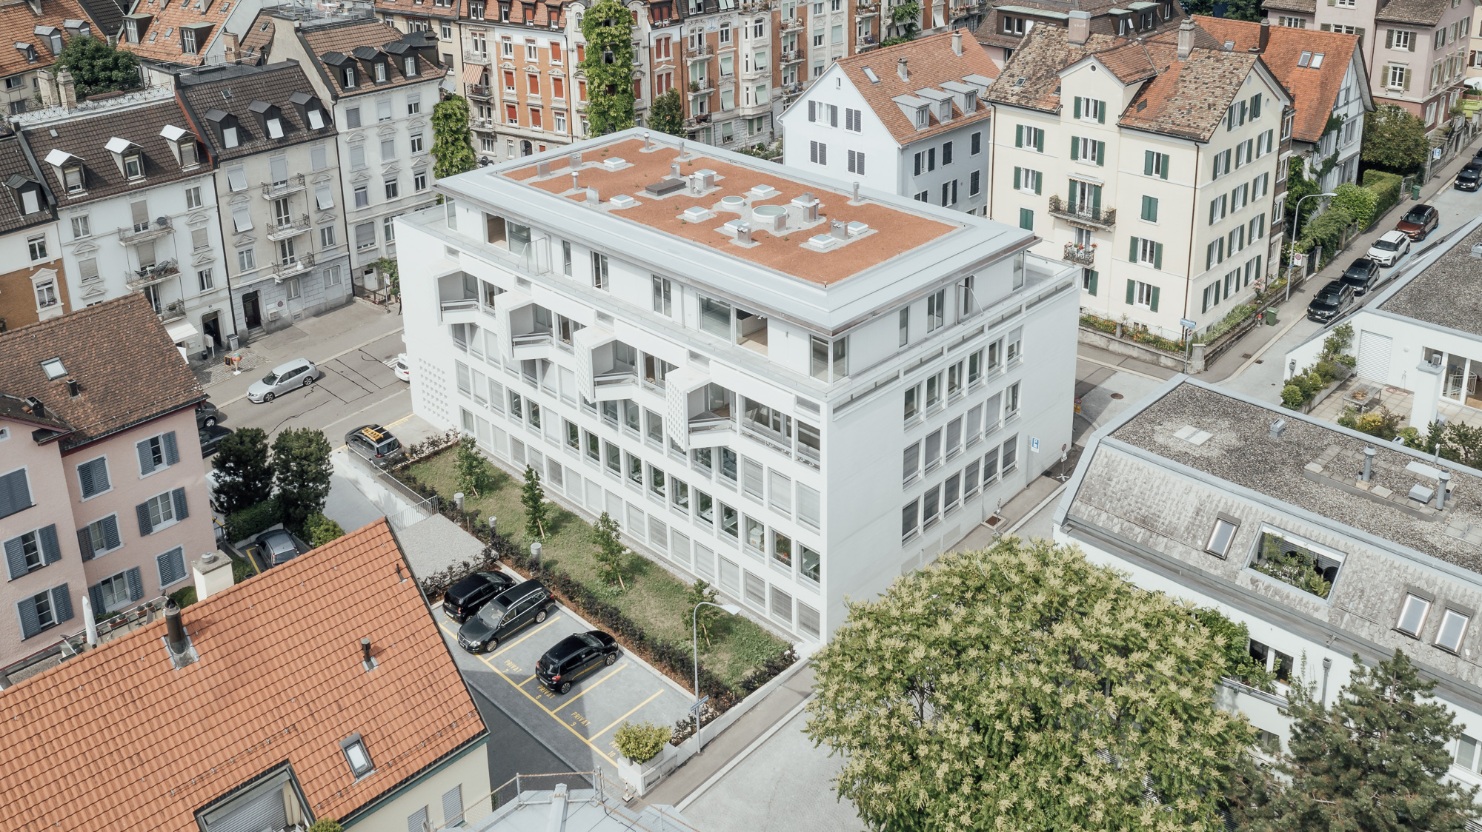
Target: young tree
389, 267
608, 29
97, 68
301, 472
244, 471
452, 140
1394, 140
321, 530
706, 616
905, 21
1023, 688
537, 510
611, 556
470, 466
667, 114
1375, 760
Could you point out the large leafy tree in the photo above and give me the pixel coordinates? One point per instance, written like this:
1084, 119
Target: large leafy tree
1022, 688
667, 114
1394, 140
245, 475
608, 29
452, 140
1232, 9
1373, 761
97, 68
301, 472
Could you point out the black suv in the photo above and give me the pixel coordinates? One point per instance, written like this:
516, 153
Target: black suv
1331, 301
1470, 176
574, 657
1362, 274
509, 612
376, 444
469, 595
207, 415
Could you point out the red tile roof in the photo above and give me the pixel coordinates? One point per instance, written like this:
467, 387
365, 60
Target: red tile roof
161, 40
18, 25
350, 37
930, 61
1313, 91
422, 8
119, 739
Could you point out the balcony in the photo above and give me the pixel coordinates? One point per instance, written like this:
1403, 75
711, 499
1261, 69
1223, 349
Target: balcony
292, 267
712, 416
174, 311
282, 229
792, 56
866, 8
793, 90
151, 274
292, 185
480, 92
1083, 214
482, 123
696, 122
701, 52
864, 42
702, 86
145, 231
472, 57
792, 24
1081, 255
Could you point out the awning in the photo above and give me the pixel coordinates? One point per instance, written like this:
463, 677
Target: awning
472, 73
182, 331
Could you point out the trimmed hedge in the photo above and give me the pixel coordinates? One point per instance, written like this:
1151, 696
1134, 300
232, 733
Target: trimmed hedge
1388, 188
253, 520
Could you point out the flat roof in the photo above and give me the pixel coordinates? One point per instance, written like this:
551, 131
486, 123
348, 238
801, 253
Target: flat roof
1241, 450
1445, 293
891, 230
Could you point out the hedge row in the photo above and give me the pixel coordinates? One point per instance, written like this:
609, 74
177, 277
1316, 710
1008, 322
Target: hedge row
252, 520
1388, 188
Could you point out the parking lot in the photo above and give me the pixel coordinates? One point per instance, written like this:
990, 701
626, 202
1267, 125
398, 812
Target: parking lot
579, 726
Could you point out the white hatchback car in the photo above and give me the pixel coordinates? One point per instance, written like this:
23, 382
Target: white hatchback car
1388, 250
402, 368
300, 372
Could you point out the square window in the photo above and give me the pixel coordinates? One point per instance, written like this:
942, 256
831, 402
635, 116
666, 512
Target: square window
1220, 537
1412, 615
357, 756
1453, 628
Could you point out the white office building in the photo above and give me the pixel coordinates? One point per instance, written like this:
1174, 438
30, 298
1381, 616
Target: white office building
791, 390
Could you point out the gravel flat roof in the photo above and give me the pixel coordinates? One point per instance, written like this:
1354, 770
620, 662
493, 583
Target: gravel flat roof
1448, 293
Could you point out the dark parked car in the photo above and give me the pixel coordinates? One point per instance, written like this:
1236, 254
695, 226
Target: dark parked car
469, 595
207, 415
211, 439
279, 547
574, 657
509, 612
1469, 178
376, 444
1331, 301
1419, 222
1363, 275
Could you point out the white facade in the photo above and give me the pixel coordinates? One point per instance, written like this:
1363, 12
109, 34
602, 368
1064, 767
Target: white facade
743, 426
1342, 143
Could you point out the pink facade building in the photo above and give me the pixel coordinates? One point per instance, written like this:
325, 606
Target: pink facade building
102, 485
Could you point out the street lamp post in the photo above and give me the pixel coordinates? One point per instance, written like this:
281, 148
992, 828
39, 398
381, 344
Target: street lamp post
1292, 256
695, 633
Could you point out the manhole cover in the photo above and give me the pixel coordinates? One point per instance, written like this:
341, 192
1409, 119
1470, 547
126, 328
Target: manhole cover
1245, 355
1116, 395
1260, 361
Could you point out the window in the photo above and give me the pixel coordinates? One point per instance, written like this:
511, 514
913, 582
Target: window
1412, 615
1453, 627
81, 227
856, 161
393, 188
357, 756
663, 296
327, 237
246, 260
44, 610
905, 326
599, 270
193, 197
157, 452
362, 196
365, 236
818, 153
1150, 209
1028, 181
1220, 536
936, 310
1026, 219
37, 247
100, 537
419, 181
911, 462
1090, 109
1155, 164
205, 280
1146, 252
1029, 137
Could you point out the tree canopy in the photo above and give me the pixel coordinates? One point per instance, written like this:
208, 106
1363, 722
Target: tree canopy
1375, 760
452, 140
1394, 140
1232, 9
667, 114
608, 29
244, 472
301, 473
97, 68
1022, 688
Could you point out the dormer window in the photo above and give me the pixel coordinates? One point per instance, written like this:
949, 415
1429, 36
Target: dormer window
27, 50
309, 110
52, 36
381, 74
229, 136
133, 166
72, 179
349, 77
970, 101
923, 118
409, 66
135, 25
227, 129
27, 193
128, 156
944, 110
269, 118
275, 127
315, 118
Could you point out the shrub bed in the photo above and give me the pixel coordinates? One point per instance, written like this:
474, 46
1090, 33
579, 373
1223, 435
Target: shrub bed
1333, 365
253, 520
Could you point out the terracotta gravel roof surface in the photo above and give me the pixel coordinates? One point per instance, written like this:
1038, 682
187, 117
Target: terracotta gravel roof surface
87, 138
129, 370
1313, 91
344, 38
1414, 12
161, 41
784, 254
18, 25
119, 739
929, 62
13, 163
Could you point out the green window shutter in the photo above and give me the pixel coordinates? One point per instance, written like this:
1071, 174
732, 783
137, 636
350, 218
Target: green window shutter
1204, 302
1150, 208
1039, 184
1153, 302
1132, 254
1018, 176
1039, 141
1096, 199
1101, 114
1075, 149
1078, 106
1214, 207
1019, 135
1255, 106
1164, 174
1131, 291
1406, 74
1412, 47
1389, 38
1326, 27
1157, 264
1026, 219
1147, 163
1101, 153
1091, 284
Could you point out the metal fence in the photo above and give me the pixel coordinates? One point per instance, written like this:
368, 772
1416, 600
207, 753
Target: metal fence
581, 787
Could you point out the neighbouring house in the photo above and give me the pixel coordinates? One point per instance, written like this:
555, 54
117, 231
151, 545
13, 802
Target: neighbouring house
1324, 74
1326, 543
136, 209
319, 689
909, 119
170, 36
102, 487
271, 138
1004, 26
729, 354
39, 30
1153, 164
34, 285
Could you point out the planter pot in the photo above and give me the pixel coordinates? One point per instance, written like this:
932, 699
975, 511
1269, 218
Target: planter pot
642, 777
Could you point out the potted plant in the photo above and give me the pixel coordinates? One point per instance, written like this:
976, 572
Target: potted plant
641, 743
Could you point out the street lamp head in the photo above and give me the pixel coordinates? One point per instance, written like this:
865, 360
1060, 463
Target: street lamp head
1329, 195
731, 609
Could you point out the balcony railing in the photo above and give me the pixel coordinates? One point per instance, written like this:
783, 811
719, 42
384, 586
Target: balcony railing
472, 57
792, 24
1084, 255
293, 267
694, 122
146, 231
793, 89
1081, 213
701, 87
173, 312
866, 8
791, 56
864, 42
701, 52
290, 227
292, 185
147, 275
480, 91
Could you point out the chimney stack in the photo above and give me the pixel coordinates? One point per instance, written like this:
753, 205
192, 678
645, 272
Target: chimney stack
66, 90
674, 171
901, 70
37, 408
1277, 428
366, 660
175, 630
1080, 27
957, 42
856, 192
575, 161
1369, 464
233, 44
576, 180
743, 233
838, 230
1441, 489
1185, 38
1265, 34
593, 198
48, 84
73, 388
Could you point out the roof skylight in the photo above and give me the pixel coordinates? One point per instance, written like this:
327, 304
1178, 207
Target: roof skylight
53, 369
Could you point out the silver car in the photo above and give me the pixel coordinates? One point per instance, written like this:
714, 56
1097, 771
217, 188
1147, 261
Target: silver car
300, 372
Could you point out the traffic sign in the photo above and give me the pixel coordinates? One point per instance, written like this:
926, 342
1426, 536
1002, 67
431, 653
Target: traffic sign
1188, 324
695, 708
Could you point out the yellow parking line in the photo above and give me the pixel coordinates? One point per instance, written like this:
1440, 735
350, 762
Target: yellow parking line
532, 699
615, 671
619, 720
548, 622
399, 421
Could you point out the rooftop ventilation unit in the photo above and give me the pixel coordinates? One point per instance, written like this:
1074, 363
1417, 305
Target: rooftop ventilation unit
857, 228
695, 213
733, 203
838, 230
771, 217
1477, 250
763, 192
706, 177
574, 161
743, 233
674, 170
664, 187
542, 168
1278, 427
593, 197
621, 201
809, 205
614, 163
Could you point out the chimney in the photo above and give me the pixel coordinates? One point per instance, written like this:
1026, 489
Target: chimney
1265, 34
674, 171
1185, 38
576, 180
176, 641
232, 45
367, 661
1277, 428
593, 198
1369, 464
838, 230
647, 145
66, 90
1080, 27
901, 70
73, 388
957, 42
48, 85
1441, 490
37, 408
212, 573
575, 161
856, 192
743, 233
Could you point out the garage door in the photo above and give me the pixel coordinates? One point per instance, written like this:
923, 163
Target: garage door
1373, 356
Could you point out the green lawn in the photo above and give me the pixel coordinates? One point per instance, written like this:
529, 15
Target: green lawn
654, 599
